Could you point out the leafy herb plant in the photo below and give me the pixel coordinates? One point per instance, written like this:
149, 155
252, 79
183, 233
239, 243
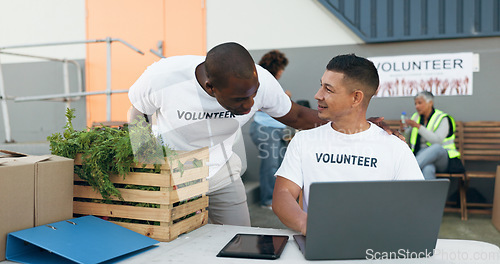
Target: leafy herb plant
108, 150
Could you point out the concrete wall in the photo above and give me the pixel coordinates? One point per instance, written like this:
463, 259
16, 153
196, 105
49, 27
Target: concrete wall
33, 21
264, 24
308, 64
33, 121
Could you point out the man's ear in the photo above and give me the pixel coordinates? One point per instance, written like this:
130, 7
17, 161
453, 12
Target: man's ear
357, 98
209, 88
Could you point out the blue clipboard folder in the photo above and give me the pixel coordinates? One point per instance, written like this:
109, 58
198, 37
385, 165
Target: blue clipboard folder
86, 239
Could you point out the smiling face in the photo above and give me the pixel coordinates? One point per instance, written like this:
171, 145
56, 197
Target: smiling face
237, 95
334, 98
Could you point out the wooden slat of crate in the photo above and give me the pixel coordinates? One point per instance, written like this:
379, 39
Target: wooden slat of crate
188, 225
182, 156
168, 233
188, 208
143, 178
182, 194
160, 233
201, 154
189, 175
164, 166
158, 180
138, 178
129, 195
165, 214
121, 211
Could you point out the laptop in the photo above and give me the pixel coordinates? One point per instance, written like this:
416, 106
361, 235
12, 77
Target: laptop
373, 220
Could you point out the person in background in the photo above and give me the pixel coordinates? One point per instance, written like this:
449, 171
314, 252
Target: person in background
432, 137
268, 134
348, 148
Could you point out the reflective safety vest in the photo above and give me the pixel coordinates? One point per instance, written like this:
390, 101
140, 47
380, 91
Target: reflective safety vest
436, 118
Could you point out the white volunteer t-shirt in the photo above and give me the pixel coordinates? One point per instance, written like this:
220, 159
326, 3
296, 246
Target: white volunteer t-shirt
189, 118
323, 154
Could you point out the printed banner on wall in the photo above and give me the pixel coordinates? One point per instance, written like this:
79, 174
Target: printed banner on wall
441, 74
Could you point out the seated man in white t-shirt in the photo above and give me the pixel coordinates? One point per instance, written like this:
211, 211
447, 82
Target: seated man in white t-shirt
348, 148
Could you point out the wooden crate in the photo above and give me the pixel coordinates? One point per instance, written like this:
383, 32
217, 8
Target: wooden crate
167, 225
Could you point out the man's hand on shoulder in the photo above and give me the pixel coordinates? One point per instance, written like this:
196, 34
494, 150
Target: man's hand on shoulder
379, 121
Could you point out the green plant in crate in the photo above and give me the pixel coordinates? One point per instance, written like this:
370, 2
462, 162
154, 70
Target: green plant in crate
107, 150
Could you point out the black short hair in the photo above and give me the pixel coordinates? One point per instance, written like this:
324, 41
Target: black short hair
228, 59
356, 69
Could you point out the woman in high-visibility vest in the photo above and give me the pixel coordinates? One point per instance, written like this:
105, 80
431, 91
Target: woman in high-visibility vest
432, 136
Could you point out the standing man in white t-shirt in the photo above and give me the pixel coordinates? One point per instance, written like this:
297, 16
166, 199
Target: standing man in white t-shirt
348, 148
203, 101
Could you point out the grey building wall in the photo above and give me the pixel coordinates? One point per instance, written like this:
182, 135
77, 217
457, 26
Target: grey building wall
389, 20
307, 65
35, 120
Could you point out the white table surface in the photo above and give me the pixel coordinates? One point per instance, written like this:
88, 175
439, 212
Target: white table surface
203, 244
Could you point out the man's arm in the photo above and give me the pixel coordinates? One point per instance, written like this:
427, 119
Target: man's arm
135, 114
433, 137
146, 147
301, 117
285, 205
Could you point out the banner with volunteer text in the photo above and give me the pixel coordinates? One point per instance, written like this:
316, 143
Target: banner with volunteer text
441, 74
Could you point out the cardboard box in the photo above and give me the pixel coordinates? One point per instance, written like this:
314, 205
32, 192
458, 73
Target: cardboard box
34, 190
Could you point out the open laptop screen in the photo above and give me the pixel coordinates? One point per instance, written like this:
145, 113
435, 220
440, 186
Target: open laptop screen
357, 220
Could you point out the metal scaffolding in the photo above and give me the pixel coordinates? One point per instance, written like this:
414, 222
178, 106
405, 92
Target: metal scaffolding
67, 96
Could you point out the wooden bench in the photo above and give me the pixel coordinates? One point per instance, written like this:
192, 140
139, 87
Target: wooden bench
476, 141
462, 178
481, 142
